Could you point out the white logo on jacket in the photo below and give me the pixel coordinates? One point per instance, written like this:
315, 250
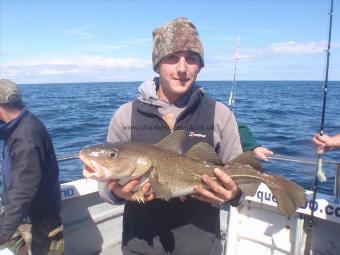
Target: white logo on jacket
193, 134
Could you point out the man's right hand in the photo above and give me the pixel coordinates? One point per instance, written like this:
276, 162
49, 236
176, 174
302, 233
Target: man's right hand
262, 153
126, 191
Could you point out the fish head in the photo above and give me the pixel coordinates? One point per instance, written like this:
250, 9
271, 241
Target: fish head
117, 161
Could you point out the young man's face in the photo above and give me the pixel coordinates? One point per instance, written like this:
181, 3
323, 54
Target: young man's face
177, 73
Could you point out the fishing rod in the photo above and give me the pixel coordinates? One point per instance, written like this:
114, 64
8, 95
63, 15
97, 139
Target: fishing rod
232, 95
320, 175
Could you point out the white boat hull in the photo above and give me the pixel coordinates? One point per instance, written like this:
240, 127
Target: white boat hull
94, 227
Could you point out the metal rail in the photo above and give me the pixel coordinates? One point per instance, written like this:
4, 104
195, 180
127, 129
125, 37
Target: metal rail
280, 157
337, 185
300, 160
67, 157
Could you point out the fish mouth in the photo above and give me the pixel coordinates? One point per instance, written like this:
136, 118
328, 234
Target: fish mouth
92, 169
88, 169
97, 174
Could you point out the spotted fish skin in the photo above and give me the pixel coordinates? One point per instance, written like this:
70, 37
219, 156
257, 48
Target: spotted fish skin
174, 174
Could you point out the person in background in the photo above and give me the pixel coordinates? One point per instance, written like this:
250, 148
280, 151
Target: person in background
31, 199
173, 101
325, 142
249, 143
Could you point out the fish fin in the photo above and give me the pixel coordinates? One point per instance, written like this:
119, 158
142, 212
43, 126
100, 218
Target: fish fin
248, 158
204, 152
160, 190
139, 196
174, 142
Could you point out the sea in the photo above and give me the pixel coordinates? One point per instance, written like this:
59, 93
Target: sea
282, 115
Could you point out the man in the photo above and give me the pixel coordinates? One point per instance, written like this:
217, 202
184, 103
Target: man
171, 102
325, 142
30, 180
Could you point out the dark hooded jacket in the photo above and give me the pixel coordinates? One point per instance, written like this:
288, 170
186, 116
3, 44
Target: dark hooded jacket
30, 174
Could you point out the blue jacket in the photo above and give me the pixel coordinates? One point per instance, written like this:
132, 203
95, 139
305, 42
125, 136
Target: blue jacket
30, 174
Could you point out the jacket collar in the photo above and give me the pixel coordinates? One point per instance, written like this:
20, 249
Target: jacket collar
7, 128
148, 94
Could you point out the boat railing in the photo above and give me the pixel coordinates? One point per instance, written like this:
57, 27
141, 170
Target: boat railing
311, 162
274, 157
337, 184
67, 157
60, 158
300, 160
281, 157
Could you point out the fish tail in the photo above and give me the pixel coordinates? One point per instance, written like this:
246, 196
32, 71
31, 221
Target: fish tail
289, 195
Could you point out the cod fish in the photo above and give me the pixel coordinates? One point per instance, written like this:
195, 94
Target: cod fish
173, 173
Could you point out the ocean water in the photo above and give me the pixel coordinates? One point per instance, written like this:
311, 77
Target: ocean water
282, 115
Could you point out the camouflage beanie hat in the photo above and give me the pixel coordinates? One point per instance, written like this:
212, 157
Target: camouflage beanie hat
9, 92
177, 35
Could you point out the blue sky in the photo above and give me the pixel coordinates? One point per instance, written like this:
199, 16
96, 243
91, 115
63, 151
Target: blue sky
96, 41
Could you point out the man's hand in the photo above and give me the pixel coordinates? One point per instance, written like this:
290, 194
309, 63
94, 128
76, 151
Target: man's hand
126, 191
323, 143
223, 190
262, 153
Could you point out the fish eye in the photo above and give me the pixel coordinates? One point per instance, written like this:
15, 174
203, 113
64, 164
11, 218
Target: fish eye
113, 154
